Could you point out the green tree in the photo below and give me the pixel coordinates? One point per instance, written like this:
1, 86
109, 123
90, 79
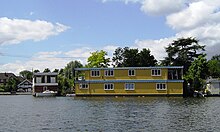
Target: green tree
146, 59
69, 69
131, 57
66, 77
126, 57
214, 66
26, 74
197, 73
46, 70
118, 57
56, 70
11, 85
36, 71
98, 59
182, 52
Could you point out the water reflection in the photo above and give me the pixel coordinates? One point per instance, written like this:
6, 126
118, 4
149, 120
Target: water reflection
26, 113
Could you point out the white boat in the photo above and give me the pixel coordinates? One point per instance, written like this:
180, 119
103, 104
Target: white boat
46, 93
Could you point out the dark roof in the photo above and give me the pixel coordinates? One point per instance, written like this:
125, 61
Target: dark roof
127, 68
6, 75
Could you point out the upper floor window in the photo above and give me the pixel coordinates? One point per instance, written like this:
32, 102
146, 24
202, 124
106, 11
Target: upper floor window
95, 73
53, 79
156, 72
83, 86
38, 79
109, 86
131, 72
129, 86
161, 86
109, 72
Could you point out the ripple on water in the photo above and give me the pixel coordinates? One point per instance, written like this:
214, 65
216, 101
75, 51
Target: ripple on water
26, 113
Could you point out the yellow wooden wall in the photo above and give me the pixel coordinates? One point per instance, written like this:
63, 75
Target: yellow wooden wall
140, 89
122, 74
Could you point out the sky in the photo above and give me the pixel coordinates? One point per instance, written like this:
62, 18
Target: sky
39, 34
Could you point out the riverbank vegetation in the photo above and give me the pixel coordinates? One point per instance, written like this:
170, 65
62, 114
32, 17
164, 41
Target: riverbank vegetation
186, 52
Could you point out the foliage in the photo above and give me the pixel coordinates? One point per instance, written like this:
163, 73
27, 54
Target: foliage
26, 74
66, 77
146, 59
11, 85
125, 57
98, 59
197, 72
56, 70
36, 71
46, 70
68, 71
214, 66
182, 52
65, 85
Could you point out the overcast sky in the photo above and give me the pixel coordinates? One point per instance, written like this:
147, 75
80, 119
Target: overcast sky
39, 34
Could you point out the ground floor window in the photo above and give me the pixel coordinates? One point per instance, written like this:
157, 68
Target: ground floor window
108, 86
161, 86
83, 86
129, 86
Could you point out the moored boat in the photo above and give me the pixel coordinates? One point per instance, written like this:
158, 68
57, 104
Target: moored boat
46, 93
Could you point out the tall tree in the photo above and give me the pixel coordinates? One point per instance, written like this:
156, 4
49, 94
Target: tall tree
98, 59
36, 71
46, 70
182, 52
118, 57
126, 57
69, 69
214, 66
131, 57
26, 74
197, 72
146, 59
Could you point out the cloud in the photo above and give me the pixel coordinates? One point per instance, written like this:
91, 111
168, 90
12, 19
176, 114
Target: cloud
189, 18
197, 14
14, 31
161, 7
83, 52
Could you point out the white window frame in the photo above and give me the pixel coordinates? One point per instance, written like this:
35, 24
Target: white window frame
83, 86
109, 73
161, 86
96, 75
131, 72
129, 86
154, 72
109, 85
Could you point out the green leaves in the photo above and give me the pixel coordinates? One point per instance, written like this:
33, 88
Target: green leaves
182, 52
125, 57
98, 59
197, 72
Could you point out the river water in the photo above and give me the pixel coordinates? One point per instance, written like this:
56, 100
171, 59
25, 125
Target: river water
130, 114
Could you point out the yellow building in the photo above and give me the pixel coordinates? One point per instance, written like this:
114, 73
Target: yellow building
129, 81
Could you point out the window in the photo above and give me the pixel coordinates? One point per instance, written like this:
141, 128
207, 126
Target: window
109, 72
109, 86
95, 73
53, 79
131, 72
155, 72
161, 86
38, 79
83, 86
129, 86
